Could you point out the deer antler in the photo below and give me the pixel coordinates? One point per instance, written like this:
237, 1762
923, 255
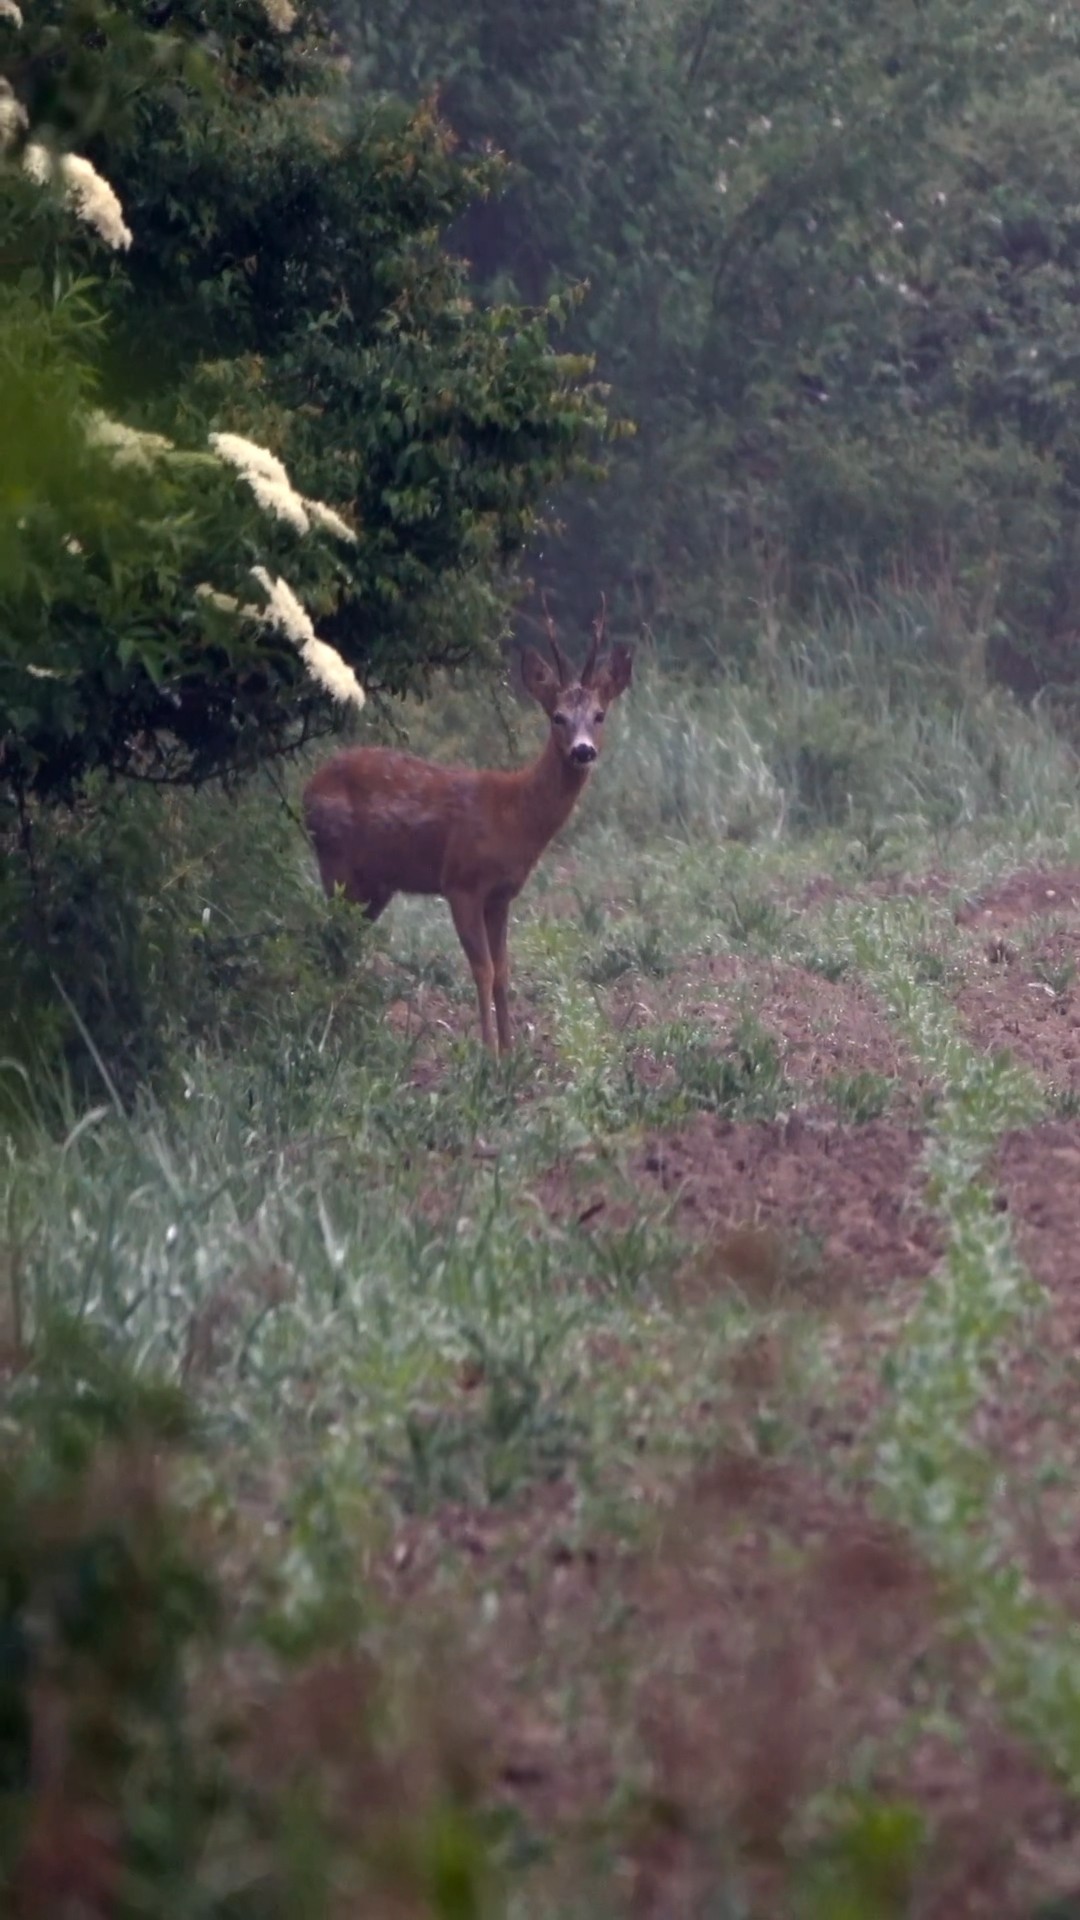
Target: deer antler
599, 631
565, 675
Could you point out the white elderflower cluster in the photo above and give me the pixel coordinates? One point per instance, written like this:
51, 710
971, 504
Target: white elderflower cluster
324, 663
280, 13
12, 116
127, 445
90, 197
225, 602
325, 516
266, 476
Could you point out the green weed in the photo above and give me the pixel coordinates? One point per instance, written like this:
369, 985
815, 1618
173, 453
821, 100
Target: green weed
740, 1079
1058, 975
753, 920
512, 1435
858, 1097
646, 950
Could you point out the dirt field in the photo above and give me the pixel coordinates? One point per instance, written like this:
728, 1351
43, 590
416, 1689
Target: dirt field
782, 1646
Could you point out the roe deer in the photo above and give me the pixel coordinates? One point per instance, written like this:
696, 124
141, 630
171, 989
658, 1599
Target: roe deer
384, 822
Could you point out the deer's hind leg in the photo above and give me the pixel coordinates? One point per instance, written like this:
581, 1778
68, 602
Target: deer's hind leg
371, 900
496, 919
468, 913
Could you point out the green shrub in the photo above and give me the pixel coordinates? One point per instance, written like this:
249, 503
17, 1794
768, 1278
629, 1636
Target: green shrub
139, 925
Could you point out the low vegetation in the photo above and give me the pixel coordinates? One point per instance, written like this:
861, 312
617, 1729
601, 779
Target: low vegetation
429, 1481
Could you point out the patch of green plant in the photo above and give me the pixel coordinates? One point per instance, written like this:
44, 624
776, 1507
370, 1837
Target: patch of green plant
632, 1261
860, 1096
476, 1101
512, 1435
645, 949
431, 969
929, 966
828, 962
593, 913
831, 752
874, 848
741, 1078
867, 1865
1058, 975
752, 919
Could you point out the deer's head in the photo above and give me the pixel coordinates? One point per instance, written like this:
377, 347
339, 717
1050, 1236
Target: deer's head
576, 704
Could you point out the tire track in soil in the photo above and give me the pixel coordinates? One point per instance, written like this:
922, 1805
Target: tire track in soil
769, 1630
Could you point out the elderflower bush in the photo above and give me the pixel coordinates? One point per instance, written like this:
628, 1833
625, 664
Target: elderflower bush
114, 525
106, 532
312, 459
81, 186
112, 509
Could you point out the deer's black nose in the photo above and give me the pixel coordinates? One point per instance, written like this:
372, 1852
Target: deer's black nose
583, 752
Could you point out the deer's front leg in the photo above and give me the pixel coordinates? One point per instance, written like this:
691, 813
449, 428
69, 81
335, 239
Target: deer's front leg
468, 912
497, 916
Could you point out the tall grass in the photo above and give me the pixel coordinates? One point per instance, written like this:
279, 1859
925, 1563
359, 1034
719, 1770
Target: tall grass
814, 753
888, 714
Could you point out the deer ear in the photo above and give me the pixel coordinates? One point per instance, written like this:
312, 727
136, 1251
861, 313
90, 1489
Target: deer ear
539, 680
614, 674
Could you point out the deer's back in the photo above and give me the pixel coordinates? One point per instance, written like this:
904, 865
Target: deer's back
388, 817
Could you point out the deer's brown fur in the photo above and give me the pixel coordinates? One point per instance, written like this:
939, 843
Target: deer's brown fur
384, 822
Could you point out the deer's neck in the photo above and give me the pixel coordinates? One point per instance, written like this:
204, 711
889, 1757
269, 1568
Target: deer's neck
548, 792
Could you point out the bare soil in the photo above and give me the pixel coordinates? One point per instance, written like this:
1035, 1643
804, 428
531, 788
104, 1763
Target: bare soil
1039, 1179
1022, 1000
833, 1205
726, 1670
1028, 895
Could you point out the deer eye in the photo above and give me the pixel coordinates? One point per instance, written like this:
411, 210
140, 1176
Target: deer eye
598, 716
558, 719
